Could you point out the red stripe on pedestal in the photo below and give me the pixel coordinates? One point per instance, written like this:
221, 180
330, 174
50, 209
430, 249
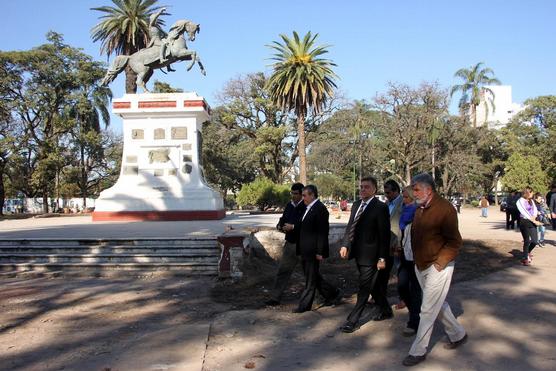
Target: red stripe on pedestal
194, 103
158, 104
137, 216
119, 105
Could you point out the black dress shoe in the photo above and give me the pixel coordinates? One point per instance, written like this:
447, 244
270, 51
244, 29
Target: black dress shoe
455, 344
298, 310
349, 327
272, 302
336, 300
383, 315
413, 360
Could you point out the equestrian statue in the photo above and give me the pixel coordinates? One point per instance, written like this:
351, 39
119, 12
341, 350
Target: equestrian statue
162, 50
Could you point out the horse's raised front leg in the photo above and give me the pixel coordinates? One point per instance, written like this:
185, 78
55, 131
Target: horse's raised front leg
193, 60
201, 66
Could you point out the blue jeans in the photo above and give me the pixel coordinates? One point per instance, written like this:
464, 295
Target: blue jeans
484, 212
540, 231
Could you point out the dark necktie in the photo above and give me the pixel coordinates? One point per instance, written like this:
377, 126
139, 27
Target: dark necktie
351, 232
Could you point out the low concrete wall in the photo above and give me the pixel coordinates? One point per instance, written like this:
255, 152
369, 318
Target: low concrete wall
270, 242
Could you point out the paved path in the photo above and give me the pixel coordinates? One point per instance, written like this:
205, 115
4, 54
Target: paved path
472, 226
510, 317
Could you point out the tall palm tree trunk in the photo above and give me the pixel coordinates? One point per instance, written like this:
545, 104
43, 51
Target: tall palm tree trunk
301, 148
130, 81
474, 115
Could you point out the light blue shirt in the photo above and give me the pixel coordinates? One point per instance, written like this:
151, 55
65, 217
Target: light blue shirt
393, 204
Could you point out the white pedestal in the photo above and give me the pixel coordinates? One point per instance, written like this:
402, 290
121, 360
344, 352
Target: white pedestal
161, 176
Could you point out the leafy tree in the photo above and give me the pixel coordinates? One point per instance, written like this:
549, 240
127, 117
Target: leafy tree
163, 87
247, 110
402, 132
474, 79
228, 156
533, 131
301, 80
90, 107
522, 171
46, 80
263, 193
333, 186
124, 29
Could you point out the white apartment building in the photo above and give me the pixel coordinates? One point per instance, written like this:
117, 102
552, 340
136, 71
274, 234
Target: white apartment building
504, 109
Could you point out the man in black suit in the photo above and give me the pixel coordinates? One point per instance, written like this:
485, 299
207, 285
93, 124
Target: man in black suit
312, 245
293, 213
367, 240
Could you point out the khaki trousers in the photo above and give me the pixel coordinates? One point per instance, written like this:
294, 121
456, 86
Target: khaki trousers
435, 286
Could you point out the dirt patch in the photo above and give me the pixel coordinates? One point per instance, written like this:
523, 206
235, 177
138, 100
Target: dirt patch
477, 258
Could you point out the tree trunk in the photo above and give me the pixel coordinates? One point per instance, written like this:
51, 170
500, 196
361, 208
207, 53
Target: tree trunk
433, 163
301, 148
45, 199
130, 81
2, 190
83, 178
474, 115
407, 173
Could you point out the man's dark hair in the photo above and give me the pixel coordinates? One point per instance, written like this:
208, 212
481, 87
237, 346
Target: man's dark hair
424, 178
371, 180
297, 187
312, 189
393, 185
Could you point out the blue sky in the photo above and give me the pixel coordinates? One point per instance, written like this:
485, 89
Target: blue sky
372, 42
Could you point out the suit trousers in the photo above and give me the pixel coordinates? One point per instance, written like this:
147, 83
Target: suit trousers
368, 275
380, 289
287, 264
435, 286
313, 282
410, 291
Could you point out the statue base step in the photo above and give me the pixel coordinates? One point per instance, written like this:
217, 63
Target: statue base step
153, 215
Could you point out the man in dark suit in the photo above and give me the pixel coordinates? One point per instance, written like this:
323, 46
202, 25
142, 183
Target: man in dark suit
367, 240
293, 213
312, 245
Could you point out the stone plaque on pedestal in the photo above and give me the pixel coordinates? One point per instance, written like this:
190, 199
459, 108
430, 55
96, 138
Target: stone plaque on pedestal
152, 188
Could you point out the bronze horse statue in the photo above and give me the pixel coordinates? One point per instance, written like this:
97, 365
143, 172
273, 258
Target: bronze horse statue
172, 48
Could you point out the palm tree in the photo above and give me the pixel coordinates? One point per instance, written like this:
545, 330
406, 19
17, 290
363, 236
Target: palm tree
124, 29
301, 81
474, 80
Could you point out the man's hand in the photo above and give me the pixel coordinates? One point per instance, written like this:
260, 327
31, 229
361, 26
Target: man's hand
437, 267
343, 252
381, 264
319, 257
288, 227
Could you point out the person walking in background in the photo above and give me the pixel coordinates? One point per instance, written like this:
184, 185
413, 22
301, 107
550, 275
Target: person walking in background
543, 217
312, 245
484, 207
551, 202
367, 240
511, 209
292, 214
408, 285
435, 241
395, 205
528, 224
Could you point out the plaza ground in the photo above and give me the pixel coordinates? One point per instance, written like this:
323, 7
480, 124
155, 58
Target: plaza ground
162, 323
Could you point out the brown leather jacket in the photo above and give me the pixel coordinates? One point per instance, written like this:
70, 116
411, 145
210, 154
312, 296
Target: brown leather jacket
435, 237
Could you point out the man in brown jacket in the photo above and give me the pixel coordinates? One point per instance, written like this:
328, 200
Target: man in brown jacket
436, 241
